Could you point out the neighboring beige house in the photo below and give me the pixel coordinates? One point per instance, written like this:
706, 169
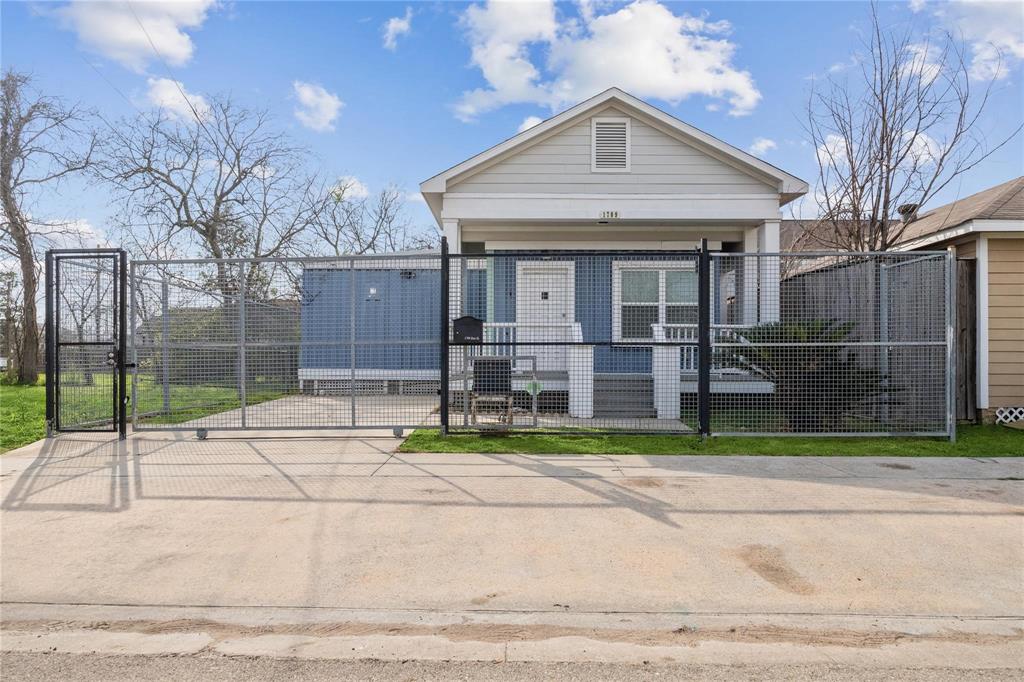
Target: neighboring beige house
988, 227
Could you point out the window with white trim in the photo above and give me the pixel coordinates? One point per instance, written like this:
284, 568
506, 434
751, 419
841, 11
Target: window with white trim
649, 293
610, 145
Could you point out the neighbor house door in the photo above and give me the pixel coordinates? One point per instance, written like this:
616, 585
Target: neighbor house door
545, 311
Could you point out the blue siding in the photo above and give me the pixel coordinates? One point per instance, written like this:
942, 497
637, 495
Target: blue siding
409, 309
404, 313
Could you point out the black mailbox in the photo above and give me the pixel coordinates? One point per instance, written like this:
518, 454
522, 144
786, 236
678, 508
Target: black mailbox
468, 329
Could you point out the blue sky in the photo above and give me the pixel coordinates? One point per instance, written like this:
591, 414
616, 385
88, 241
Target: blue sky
455, 78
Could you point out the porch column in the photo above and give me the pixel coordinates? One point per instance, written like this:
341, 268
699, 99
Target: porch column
453, 232
768, 242
665, 363
751, 244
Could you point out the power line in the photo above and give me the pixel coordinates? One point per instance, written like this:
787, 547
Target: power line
173, 77
108, 82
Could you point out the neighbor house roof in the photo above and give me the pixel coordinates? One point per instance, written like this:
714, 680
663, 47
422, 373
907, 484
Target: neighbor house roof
789, 186
1002, 202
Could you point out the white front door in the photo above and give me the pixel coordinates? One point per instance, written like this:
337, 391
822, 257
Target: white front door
545, 311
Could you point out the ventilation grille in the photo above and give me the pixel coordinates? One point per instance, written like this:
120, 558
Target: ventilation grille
344, 387
611, 145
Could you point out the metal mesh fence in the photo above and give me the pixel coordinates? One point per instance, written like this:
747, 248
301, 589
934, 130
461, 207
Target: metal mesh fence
85, 322
574, 341
831, 343
809, 344
586, 341
286, 344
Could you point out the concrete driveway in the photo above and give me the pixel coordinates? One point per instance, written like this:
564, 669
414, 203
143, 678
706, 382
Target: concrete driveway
316, 543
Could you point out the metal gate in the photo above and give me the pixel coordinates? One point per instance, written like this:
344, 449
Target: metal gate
286, 343
85, 340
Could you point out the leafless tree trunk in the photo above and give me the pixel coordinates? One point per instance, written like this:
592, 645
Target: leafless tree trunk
41, 143
892, 134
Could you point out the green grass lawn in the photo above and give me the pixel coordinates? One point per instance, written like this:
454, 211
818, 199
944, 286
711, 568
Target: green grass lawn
22, 415
22, 421
972, 441
23, 408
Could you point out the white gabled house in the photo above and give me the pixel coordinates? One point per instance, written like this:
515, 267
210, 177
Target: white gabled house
612, 175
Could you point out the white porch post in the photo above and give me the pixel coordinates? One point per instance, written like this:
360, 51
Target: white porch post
667, 384
768, 242
751, 244
581, 376
453, 232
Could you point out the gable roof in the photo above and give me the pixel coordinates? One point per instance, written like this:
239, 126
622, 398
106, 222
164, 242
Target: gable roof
1002, 202
789, 186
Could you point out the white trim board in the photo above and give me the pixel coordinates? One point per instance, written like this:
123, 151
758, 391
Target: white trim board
596, 246
969, 227
981, 333
623, 195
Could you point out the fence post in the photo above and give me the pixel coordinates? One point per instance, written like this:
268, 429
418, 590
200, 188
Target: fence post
704, 340
444, 335
48, 331
165, 350
951, 324
242, 371
122, 345
352, 340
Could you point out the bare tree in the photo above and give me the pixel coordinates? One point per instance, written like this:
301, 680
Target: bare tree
220, 184
348, 223
42, 142
892, 136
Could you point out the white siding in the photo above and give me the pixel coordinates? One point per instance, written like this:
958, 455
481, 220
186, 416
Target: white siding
660, 165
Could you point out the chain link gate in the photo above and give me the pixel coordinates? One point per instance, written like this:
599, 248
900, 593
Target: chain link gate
85, 340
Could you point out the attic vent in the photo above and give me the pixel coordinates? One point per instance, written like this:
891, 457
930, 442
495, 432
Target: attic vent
610, 145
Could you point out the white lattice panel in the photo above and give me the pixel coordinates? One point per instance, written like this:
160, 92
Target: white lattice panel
1008, 415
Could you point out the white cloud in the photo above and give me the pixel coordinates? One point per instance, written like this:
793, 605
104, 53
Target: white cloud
917, 5
643, 48
529, 122
352, 188
415, 198
761, 146
397, 26
138, 33
832, 150
921, 63
994, 31
924, 149
171, 96
317, 108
